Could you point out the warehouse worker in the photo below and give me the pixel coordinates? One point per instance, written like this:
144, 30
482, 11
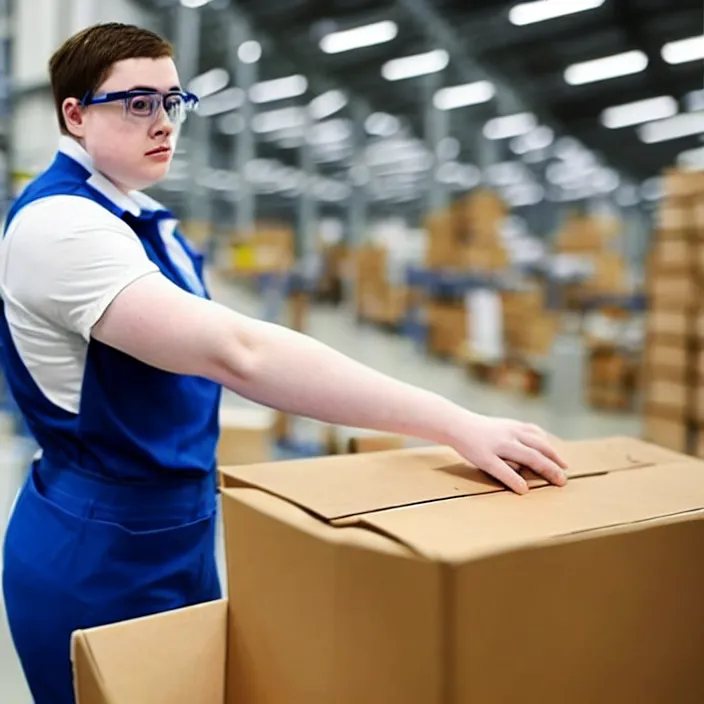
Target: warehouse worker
116, 357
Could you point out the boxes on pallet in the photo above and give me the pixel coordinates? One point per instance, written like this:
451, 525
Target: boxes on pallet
269, 248
672, 374
442, 243
246, 436
467, 236
399, 576
529, 328
377, 300
583, 234
447, 324
668, 433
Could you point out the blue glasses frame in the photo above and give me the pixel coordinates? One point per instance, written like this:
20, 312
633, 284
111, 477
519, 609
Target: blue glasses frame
189, 101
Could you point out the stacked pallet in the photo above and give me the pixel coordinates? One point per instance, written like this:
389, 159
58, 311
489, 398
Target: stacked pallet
595, 242
612, 377
674, 354
447, 323
378, 300
467, 235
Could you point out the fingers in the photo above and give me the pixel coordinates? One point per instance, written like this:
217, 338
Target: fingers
541, 444
498, 469
538, 462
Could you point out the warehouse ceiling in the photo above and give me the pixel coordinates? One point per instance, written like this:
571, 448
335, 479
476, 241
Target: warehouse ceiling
494, 42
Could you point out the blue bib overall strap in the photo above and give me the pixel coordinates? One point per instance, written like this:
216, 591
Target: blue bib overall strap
117, 517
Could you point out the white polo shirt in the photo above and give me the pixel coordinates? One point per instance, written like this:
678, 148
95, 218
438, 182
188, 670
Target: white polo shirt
63, 261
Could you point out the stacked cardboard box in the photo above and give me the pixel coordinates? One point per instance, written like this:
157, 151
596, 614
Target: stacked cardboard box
467, 236
377, 300
269, 248
595, 240
529, 328
672, 371
405, 576
447, 327
612, 377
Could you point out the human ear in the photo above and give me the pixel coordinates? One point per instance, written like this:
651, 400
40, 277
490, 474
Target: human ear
73, 116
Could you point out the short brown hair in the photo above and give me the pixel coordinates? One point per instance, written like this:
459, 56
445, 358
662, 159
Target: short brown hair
84, 60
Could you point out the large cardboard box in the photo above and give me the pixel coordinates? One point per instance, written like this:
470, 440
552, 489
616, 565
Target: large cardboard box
408, 577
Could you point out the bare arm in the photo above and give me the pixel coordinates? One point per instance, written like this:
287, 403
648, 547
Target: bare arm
165, 327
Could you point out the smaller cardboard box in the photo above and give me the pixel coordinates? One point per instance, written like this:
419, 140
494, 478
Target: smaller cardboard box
408, 577
246, 435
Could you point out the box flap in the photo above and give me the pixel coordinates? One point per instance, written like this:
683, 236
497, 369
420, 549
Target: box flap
171, 658
343, 486
470, 527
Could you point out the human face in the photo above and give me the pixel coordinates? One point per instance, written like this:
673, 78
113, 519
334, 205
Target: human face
133, 152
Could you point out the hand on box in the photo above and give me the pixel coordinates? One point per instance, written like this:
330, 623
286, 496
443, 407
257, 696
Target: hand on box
500, 447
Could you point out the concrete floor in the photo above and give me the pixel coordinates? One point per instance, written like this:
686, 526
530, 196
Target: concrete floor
387, 353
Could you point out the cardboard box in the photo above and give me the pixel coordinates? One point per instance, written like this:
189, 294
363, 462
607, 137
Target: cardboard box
675, 323
675, 217
683, 183
410, 578
669, 394
246, 435
673, 254
674, 289
665, 432
668, 361
447, 327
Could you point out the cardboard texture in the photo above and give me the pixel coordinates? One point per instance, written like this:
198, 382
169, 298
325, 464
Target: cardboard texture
172, 658
409, 577
246, 435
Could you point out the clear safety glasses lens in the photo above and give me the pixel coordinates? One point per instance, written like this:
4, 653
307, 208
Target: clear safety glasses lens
147, 106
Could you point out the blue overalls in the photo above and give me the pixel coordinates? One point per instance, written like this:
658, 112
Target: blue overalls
117, 518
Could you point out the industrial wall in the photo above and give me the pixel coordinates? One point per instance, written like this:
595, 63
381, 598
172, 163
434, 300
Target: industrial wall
40, 27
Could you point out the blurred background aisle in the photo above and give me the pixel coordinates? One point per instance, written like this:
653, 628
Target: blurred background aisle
499, 201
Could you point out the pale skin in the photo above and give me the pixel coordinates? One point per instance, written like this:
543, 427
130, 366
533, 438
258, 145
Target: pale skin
158, 323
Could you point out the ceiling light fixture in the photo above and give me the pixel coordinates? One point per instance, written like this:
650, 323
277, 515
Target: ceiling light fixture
327, 104
509, 126
359, 37
278, 89
639, 112
414, 66
684, 50
542, 10
463, 96
380, 124
249, 52
605, 68
685, 125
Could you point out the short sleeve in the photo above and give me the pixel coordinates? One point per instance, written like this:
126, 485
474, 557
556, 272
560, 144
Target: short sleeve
66, 258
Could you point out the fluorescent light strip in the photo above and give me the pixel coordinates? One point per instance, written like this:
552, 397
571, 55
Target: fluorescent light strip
278, 89
359, 37
417, 65
639, 112
276, 120
381, 124
327, 104
673, 128
209, 82
464, 95
625, 64
542, 10
510, 126
194, 4
224, 101
684, 50
249, 52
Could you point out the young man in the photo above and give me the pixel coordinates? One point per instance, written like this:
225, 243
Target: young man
116, 358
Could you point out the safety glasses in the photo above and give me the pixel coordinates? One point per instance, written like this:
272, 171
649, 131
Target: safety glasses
145, 105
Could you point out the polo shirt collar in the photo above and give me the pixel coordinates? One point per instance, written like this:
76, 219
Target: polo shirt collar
124, 202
